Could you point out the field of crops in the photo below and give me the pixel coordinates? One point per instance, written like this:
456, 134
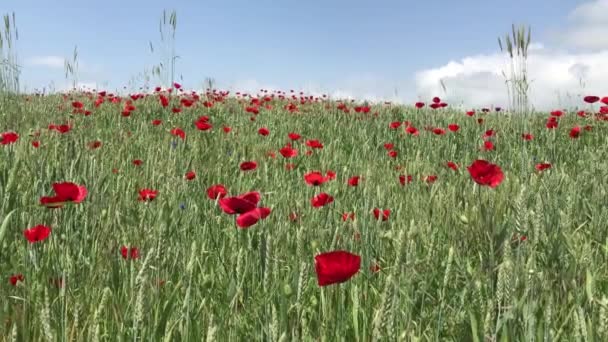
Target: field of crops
278, 216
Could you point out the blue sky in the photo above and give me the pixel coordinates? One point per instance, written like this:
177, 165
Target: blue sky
327, 45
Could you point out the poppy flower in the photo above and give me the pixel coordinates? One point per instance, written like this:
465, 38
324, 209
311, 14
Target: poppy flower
146, 195
251, 217
178, 132
403, 179
419, 105
129, 253
314, 144
36, 143
430, 179
453, 127
64, 192
452, 165
348, 216
527, 136
382, 214
395, 124
294, 136
8, 138
216, 191
240, 204
336, 267
542, 166
470, 113
95, 144
16, 278
190, 175
263, 131
392, 153
226, 129
37, 233
156, 122
557, 113
321, 200
488, 146
315, 178
354, 181
389, 146
77, 105
138, 162
439, 131
436, 99
486, 173
288, 152
575, 132
412, 130
204, 126
248, 166
591, 99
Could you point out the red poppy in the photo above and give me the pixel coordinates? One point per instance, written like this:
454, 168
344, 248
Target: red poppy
348, 216
557, 113
321, 200
488, 133
8, 138
294, 136
95, 144
591, 99
419, 105
354, 181
248, 166
37, 233
439, 131
542, 166
16, 278
470, 113
436, 99
336, 267
389, 146
314, 144
77, 104
315, 178
395, 124
453, 127
64, 192
452, 165
252, 217
486, 173
146, 195
263, 131
138, 162
575, 132
179, 133
226, 129
403, 179
527, 136
382, 214
488, 146
190, 175
430, 179
412, 130
288, 152
216, 191
36, 143
392, 154
240, 204
129, 253
204, 126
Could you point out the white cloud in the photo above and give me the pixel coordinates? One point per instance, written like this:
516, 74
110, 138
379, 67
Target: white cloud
555, 79
559, 78
53, 62
587, 27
